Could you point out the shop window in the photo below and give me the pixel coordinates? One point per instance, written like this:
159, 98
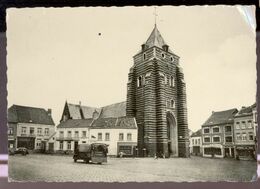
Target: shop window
61, 145
69, 146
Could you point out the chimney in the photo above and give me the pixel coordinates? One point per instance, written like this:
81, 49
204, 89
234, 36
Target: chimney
143, 47
49, 112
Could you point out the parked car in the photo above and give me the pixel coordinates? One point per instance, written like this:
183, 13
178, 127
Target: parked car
20, 150
95, 153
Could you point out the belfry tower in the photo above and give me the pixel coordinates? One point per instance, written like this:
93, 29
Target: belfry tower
156, 97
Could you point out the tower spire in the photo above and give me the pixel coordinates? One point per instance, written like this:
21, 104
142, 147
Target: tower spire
155, 15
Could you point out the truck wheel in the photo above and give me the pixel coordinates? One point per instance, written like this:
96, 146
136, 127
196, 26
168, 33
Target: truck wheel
87, 161
75, 160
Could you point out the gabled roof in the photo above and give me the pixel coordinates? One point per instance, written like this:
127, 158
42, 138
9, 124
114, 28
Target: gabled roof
197, 133
77, 111
75, 123
221, 117
245, 111
114, 110
25, 114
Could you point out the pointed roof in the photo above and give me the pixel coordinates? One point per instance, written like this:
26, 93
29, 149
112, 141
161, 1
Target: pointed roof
155, 39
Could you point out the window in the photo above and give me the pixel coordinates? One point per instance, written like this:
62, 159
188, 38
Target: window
165, 80
172, 104
23, 130
144, 56
216, 130
99, 136
193, 141
237, 125
69, 134
46, 131
84, 134
216, 139
251, 136
69, 146
171, 81
249, 124
196, 141
244, 136
139, 81
206, 139
76, 134
39, 131
31, 131
243, 125
238, 136
228, 139
121, 136
172, 59
199, 141
10, 131
61, 134
206, 130
168, 103
228, 128
107, 137
61, 145
129, 136
163, 55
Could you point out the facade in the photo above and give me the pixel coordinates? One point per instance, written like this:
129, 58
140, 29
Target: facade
196, 143
109, 125
156, 98
245, 133
29, 127
218, 134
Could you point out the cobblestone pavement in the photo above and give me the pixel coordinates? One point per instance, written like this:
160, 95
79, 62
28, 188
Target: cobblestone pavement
54, 168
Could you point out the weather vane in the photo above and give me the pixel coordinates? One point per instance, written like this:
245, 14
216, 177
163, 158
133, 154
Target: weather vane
155, 15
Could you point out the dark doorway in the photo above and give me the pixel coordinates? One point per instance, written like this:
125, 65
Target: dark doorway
172, 135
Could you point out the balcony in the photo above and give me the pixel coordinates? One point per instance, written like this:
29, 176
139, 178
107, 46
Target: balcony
67, 138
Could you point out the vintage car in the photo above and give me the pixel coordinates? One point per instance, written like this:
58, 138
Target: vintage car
95, 153
20, 150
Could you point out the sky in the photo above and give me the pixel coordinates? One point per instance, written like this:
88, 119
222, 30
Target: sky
84, 54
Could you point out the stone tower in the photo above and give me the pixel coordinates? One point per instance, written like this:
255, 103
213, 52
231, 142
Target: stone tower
156, 97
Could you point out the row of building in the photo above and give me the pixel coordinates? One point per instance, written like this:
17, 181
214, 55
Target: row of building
34, 128
230, 133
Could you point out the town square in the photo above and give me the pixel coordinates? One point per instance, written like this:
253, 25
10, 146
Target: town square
115, 105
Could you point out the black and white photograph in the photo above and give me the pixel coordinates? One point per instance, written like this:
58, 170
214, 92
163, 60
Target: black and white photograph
132, 94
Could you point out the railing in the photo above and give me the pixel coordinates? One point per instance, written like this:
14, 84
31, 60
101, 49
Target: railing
68, 138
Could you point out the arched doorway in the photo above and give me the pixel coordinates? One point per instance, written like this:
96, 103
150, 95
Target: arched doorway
172, 134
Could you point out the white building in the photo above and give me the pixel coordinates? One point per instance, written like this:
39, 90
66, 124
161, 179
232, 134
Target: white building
196, 143
109, 125
30, 127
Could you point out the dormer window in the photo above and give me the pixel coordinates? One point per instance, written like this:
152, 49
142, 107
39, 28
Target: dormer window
165, 47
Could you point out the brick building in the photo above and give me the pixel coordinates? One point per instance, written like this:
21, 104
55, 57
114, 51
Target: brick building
218, 134
245, 133
30, 127
82, 124
196, 143
156, 97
